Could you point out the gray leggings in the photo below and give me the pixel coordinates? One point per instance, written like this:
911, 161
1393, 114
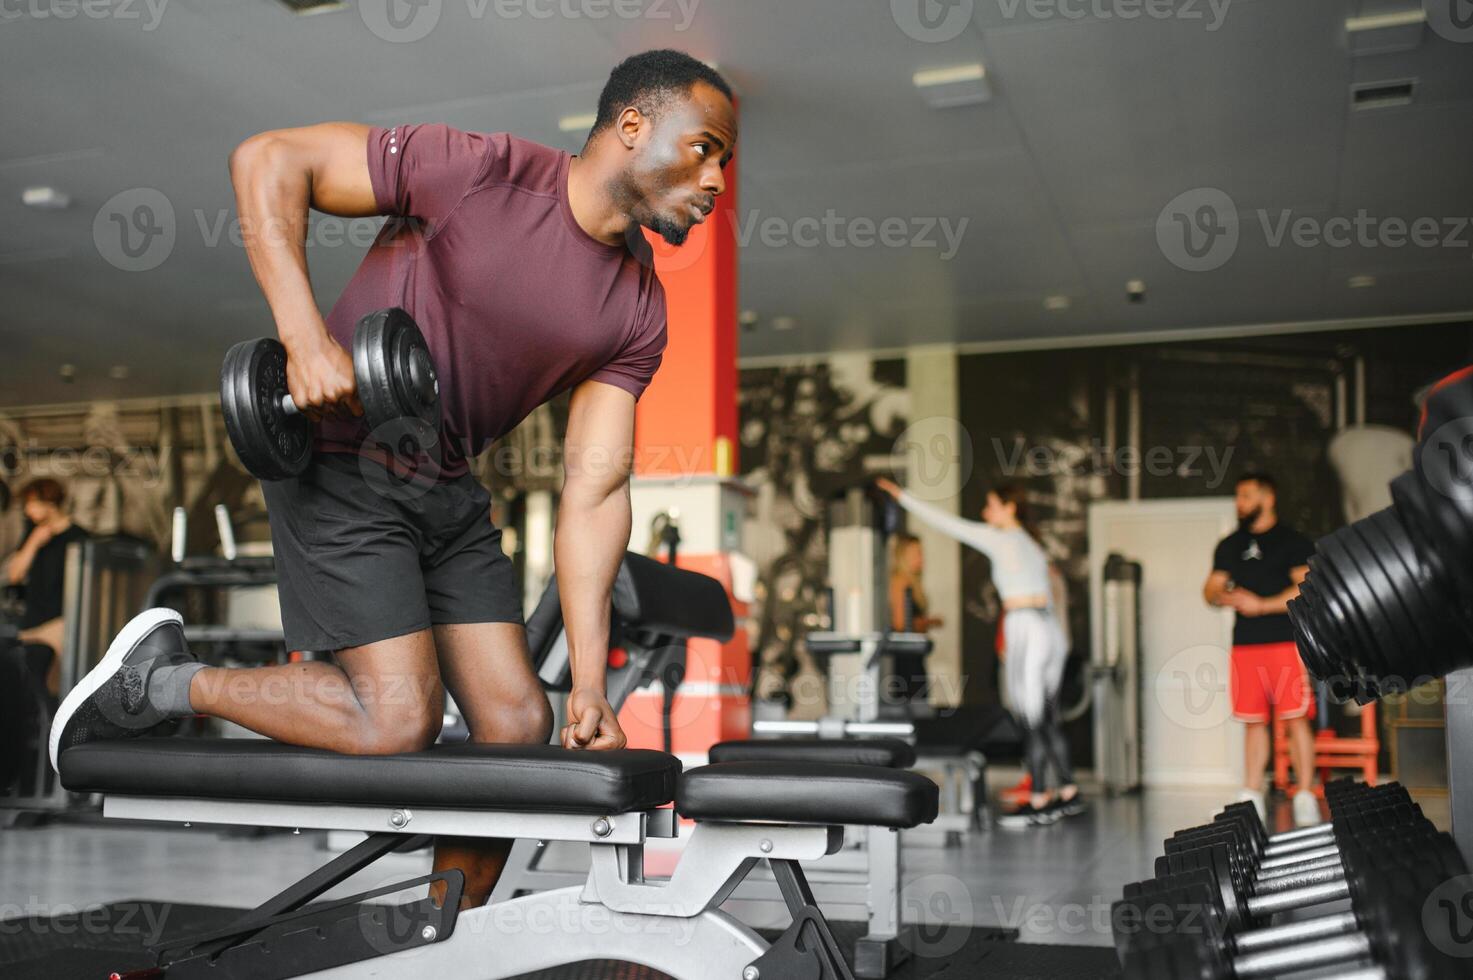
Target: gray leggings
1036, 654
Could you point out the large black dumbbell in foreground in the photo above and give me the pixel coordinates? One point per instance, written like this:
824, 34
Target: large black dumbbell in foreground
1383, 938
396, 384
1253, 886
1218, 880
1388, 603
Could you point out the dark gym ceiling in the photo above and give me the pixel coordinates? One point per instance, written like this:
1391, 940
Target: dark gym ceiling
1097, 120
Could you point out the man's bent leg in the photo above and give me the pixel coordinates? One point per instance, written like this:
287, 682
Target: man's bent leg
488, 672
377, 699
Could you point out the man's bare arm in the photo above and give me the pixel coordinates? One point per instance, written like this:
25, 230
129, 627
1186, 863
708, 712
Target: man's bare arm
592, 535
1216, 588
278, 177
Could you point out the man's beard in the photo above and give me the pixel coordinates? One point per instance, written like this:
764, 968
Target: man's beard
668, 229
1250, 518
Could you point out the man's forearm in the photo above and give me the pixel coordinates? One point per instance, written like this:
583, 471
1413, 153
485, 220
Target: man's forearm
592, 536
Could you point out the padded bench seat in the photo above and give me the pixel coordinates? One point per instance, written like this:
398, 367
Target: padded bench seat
541, 778
806, 792
891, 753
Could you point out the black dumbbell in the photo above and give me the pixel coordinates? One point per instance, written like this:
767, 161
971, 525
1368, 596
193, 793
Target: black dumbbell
1246, 899
396, 382
1229, 846
1385, 929
1388, 603
1159, 909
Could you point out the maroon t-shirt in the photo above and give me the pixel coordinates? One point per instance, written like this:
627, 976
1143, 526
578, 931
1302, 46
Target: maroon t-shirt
517, 302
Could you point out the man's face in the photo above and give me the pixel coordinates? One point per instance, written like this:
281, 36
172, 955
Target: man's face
1251, 500
675, 172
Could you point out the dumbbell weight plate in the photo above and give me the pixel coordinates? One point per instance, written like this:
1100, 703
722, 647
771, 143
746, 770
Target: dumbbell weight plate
1417, 506
1387, 536
397, 383
271, 444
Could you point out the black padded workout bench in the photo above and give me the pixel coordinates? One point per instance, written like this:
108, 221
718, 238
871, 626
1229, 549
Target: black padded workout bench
783, 813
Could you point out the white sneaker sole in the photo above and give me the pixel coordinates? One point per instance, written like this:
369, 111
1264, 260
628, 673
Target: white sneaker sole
129, 637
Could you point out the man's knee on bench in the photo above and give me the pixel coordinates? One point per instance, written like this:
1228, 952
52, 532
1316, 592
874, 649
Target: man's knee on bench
526, 722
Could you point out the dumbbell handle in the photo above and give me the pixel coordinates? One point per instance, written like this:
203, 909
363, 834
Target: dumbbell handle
1322, 927
288, 406
1289, 860
1274, 874
1297, 898
1300, 879
1300, 832
1286, 959
1306, 843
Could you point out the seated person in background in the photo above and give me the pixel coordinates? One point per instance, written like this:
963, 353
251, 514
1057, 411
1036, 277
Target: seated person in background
1034, 645
39, 565
909, 612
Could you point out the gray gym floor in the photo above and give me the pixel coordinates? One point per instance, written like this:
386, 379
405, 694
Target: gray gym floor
1054, 884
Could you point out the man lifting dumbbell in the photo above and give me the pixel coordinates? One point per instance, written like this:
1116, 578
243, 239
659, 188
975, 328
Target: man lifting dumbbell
1256, 570
527, 271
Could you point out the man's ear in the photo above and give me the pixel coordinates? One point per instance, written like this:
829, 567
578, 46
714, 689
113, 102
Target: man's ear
629, 125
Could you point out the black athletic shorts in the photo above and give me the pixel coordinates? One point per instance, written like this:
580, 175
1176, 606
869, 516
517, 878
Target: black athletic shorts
361, 557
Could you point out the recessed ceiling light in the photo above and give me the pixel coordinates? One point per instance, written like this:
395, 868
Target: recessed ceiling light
1361, 282
783, 323
45, 198
68, 372
577, 124
118, 372
1056, 303
309, 7
1399, 30
959, 85
748, 318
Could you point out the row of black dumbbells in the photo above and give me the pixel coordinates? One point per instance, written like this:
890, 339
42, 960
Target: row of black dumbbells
1216, 908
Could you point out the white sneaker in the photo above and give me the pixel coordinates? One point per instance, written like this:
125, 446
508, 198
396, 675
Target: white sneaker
1306, 809
1249, 796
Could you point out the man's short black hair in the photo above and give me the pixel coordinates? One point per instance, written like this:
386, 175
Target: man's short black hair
648, 81
1262, 479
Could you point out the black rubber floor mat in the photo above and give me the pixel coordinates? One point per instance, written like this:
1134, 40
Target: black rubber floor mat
92, 944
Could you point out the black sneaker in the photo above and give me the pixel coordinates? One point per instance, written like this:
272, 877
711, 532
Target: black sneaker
111, 701
1072, 807
1027, 816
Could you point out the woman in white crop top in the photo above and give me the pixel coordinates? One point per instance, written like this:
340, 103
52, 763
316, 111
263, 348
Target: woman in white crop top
1034, 644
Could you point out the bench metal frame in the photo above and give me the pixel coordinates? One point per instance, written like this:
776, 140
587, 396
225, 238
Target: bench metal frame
673, 925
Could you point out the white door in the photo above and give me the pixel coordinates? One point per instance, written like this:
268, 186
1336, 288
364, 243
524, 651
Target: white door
1188, 734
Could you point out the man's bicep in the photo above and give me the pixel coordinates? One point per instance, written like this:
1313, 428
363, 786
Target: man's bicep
332, 156
598, 451
341, 184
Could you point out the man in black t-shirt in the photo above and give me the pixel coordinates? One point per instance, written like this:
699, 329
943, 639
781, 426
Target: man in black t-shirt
1255, 572
39, 564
